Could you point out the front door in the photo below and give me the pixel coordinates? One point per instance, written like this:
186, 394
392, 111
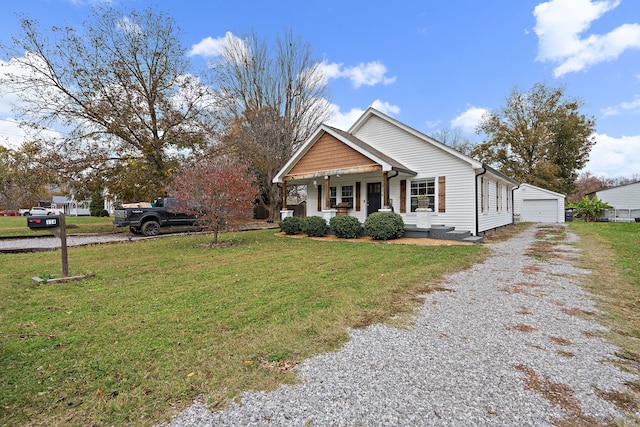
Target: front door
374, 197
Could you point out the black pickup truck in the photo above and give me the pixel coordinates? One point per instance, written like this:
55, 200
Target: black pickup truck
147, 219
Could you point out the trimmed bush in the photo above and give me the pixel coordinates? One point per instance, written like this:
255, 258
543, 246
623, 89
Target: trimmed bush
291, 225
104, 213
314, 226
384, 226
345, 227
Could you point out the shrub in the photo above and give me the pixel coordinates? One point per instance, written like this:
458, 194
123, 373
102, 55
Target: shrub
314, 226
291, 225
384, 226
104, 213
592, 209
345, 227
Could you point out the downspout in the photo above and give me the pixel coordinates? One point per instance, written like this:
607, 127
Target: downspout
513, 204
484, 170
389, 187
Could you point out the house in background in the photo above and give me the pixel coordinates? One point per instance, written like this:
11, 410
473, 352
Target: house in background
70, 207
381, 164
625, 200
535, 204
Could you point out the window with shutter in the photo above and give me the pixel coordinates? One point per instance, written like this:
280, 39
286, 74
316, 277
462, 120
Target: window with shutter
441, 194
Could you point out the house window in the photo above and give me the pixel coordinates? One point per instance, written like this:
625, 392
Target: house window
423, 187
485, 195
332, 197
346, 195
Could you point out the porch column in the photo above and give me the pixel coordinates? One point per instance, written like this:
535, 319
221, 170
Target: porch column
385, 190
284, 212
327, 192
328, 212
284, 195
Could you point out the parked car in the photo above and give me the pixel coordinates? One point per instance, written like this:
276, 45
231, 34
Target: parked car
9, 212
39, 210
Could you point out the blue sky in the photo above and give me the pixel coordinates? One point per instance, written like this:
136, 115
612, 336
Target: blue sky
430, 64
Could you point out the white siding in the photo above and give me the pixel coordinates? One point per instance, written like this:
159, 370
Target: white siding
496, 212
535, 210
622, 197
430, 162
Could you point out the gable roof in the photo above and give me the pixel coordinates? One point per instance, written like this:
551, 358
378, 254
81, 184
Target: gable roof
525, 185
387, 163
373, 112
612, 188
356, 144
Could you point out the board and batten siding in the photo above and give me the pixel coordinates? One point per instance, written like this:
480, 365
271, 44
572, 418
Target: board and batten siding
429, 161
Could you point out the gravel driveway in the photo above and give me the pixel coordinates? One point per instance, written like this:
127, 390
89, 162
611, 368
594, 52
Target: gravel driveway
504, 346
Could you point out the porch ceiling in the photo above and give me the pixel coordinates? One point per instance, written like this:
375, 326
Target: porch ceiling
332, 172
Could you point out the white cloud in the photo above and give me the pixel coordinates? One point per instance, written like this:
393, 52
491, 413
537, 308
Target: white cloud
559, 24
469, 119
385, 107
628, 106
345, 120
614, 157
11, 136
210, 47
369, 74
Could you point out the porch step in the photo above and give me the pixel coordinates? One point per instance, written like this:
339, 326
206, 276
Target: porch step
441, 232
458, 234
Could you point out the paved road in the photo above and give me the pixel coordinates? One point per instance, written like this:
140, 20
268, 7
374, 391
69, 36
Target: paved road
51, 242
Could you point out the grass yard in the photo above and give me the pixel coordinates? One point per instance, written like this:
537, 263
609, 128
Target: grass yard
612, 253
167, 320
11, 226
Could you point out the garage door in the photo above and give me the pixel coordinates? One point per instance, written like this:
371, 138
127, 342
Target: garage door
540, 210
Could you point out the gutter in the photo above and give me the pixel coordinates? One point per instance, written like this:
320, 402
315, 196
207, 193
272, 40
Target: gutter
484, 170
389, 187
513, 204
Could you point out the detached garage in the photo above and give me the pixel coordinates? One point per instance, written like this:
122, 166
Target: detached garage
535, 204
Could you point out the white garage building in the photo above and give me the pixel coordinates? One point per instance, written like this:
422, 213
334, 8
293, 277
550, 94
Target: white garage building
535, 204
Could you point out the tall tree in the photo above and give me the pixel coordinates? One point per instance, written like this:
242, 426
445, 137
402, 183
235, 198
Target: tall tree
269, 102
120, 87
23, 177
539, 137
218, 190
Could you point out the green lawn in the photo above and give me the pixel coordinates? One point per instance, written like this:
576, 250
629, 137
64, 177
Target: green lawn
166, 320
11, 226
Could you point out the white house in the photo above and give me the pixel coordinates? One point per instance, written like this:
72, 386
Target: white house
625, 200
383, 164
535, 204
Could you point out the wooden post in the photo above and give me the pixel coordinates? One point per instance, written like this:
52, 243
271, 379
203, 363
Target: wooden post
63, 246
284, 195
327, 192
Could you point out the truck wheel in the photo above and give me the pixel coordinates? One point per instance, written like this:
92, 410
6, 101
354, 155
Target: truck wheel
151, 228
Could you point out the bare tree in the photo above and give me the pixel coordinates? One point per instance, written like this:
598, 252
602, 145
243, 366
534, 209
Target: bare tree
269, 103
454, 139
585, 184
120, 88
